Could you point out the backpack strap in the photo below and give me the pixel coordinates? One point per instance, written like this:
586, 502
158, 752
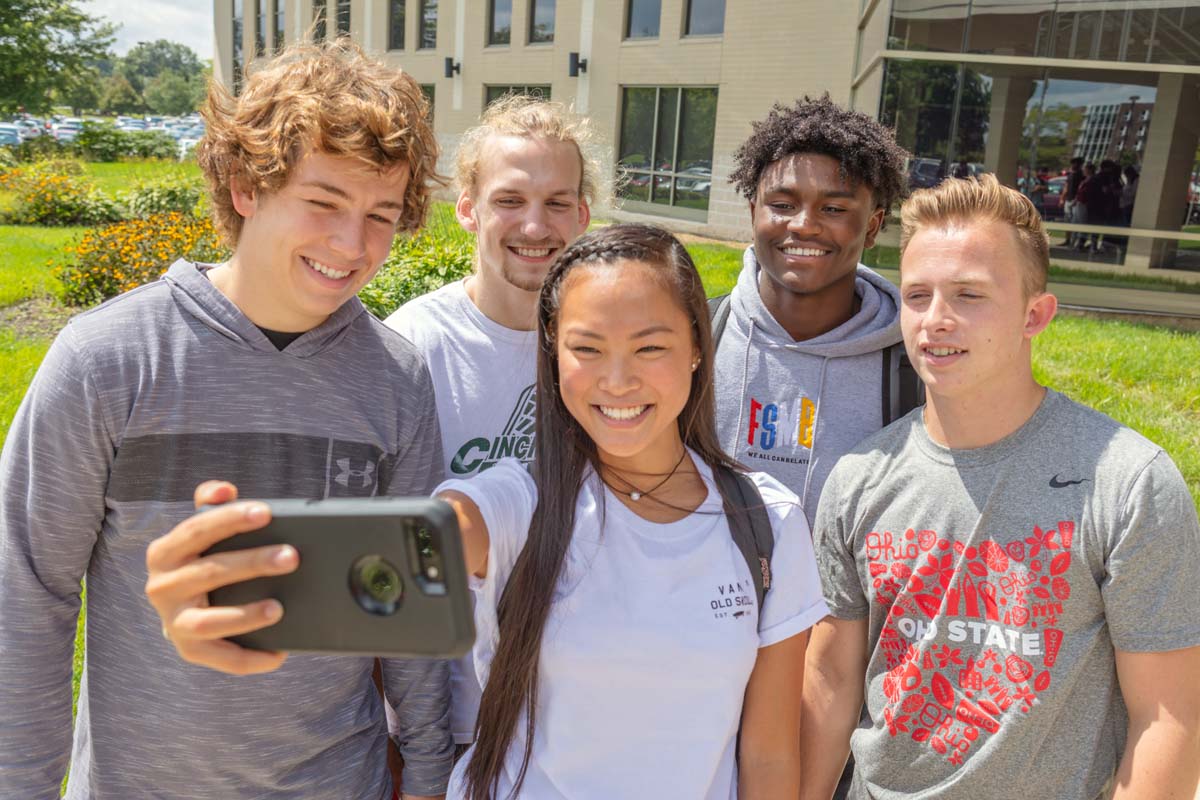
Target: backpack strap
901, 389
718, 313
912, 389
749, 525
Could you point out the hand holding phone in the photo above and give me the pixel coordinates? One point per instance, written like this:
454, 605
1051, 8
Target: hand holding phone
179, 578
377, 576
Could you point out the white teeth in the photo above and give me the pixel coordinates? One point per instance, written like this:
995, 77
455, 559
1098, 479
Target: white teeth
533, 252
943, 351
804, 251
329, 272
629, 412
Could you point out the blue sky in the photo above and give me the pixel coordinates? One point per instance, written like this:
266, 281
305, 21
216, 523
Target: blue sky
188, 22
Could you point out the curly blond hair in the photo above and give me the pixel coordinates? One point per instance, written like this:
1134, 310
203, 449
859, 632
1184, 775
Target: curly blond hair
984, 199
522, 115
326, 96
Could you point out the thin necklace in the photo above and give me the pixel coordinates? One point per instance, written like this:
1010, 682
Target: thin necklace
636, 495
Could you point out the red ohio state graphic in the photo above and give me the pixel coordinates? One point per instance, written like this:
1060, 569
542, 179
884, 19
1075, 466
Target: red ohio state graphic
971, 632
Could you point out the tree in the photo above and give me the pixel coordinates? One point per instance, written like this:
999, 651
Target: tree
44, 46
170, 93
118, 97
83, 94
148, 60
1055, 128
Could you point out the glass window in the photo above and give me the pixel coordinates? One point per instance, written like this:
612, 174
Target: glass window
499, 21
343, 16
541, 21
921, 25
260, 27
430, 92
705, 17
427, 25
238, 19
666, 145
396, 9
642, 18
318, 20
955, 117
280, 21
1116, 30
1021, 29
494, 93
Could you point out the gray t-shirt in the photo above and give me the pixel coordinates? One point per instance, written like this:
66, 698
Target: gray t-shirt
996, 583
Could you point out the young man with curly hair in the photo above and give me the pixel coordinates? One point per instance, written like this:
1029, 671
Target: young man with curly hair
526, 182
807, 364
264, 371
1009, 574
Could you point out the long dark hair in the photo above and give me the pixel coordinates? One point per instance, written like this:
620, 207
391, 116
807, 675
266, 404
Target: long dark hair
563, 452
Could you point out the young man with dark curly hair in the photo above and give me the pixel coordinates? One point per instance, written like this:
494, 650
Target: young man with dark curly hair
807, 361
263, 370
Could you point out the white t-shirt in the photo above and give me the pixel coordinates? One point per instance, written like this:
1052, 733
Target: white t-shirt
483, 380
650, 642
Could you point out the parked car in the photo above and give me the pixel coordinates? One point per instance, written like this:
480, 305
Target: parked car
9, 134
1052, 200
924, 173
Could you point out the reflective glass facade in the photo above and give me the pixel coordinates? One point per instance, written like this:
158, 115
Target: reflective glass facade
1133, 134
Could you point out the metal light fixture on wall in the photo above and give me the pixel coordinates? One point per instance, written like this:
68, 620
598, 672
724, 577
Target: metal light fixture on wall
452, 67
575, 64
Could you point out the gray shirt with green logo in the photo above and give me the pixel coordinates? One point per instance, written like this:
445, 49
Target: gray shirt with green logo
997, 583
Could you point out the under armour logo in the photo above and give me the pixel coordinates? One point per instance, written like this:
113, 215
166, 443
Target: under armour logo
365, 474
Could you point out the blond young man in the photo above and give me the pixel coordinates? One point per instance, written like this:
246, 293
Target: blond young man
258, 370
1009, 571
527, 183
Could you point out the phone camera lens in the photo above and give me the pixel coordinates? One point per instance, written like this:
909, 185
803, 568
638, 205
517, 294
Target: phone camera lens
376, 585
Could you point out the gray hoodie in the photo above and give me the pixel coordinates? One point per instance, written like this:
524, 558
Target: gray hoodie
136, 402
792, 409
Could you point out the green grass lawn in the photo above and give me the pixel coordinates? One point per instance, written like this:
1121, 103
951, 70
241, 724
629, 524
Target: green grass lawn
25, 254
19, 359
122, 175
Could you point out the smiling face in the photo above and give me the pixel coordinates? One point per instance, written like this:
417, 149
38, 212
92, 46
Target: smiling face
811, 226
525, 208
625, 352
967, 319
310, 247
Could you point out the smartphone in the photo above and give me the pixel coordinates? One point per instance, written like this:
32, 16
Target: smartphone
377, 576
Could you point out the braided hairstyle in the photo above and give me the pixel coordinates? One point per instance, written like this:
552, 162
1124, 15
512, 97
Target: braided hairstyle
562, 453
866, 150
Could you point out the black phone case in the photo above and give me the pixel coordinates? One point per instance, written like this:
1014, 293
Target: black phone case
434, 618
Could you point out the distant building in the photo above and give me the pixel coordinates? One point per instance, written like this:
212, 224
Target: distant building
1112, 128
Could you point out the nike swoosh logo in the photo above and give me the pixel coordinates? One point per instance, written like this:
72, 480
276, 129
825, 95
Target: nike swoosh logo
1055, 483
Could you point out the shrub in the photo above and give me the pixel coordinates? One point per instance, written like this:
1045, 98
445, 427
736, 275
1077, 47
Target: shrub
8, 157
110, 260
48, 197
42, 148
168, 194
434, 256
151, 144
99, 141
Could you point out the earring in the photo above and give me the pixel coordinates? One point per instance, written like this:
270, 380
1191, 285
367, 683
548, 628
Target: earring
695, 364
